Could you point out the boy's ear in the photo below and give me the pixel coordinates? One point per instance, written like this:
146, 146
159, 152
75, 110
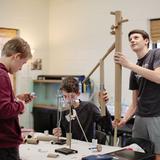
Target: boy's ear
78, 93
147, 41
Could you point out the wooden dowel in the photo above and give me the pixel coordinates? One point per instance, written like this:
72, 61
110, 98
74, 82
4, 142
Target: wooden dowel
69, 135
102, 103
52, 155
46, 138
115, 137
107, 53
69, 139
118, 71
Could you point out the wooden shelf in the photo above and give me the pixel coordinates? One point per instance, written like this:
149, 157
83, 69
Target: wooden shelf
47, 81
45, 106
53, 107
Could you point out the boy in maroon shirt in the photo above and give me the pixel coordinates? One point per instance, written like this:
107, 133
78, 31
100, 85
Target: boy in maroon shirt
14, 54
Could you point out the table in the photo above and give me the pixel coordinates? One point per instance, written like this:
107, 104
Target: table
41, 150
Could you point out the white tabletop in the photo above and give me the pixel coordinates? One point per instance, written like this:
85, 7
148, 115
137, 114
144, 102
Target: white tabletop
41, 150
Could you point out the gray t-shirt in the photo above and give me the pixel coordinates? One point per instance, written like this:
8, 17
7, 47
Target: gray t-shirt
149, 92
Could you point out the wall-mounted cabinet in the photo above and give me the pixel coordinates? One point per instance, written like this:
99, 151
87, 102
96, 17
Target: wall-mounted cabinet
46, 92
47, 87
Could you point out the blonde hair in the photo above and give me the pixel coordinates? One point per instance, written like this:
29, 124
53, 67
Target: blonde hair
16, 45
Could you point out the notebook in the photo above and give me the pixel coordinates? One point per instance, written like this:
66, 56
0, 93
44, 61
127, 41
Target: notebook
126, 154
98, 157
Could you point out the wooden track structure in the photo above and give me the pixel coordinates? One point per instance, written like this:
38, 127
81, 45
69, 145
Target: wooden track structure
117, 45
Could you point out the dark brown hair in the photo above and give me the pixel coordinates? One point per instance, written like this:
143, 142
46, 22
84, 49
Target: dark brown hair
16, 45
139, 31
70, 84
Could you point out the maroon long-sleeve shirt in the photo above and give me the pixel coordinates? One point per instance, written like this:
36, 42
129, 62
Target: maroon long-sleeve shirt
10, 132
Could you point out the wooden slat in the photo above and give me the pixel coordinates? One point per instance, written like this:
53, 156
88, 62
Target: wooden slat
7, 32
155, 30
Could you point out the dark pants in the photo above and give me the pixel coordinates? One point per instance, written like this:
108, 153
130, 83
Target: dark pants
9, 154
